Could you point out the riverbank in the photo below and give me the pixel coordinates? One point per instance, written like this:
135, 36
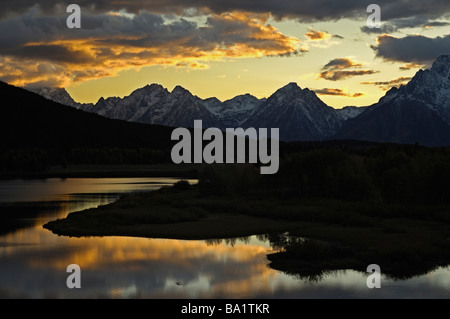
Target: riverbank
405, 240
213, 226
187, 171
171, 212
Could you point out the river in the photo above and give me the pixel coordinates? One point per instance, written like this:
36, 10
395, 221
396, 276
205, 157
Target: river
33, 260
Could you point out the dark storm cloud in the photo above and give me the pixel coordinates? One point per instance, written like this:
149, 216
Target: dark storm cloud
145, 30
410, 22
50, 52
113, 41
306, 10
412, 48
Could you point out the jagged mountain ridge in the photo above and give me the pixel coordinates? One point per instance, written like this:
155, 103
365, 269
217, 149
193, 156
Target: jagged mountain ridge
233, 112
58, 95
299, 114
431, 87
153, 104
416, 112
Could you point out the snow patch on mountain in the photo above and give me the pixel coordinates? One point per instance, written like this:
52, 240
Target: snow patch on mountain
350, 112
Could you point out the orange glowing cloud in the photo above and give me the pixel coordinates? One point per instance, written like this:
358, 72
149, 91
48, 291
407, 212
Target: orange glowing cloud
342, 68
386, 85
120, 43
337, 92
317, 35
409, 66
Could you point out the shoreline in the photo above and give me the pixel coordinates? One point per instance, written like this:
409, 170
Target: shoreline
215, 226
190, 171
314, 236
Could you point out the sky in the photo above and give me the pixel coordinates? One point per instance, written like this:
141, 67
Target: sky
222, 48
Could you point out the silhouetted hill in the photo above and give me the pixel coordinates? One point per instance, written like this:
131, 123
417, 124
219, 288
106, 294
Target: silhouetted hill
29, 120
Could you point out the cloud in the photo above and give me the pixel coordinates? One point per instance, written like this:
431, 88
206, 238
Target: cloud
317, 35
33, 74
117, 35
193, 65
385, 28
341, 68
409, 66
50, 52
416, 49
321, 39
340, 63
109, 43
404, 23
307, 10
436, 24
387, 85
298, 52
336, 92
340, 75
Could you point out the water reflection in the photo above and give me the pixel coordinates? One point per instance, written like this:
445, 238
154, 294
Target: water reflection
160, 268
152, 267
33, 261
66, 189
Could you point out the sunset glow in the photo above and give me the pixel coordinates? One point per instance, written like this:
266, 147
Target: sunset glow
219, 50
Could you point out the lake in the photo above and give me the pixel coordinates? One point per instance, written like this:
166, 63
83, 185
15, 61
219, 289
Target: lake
33, 260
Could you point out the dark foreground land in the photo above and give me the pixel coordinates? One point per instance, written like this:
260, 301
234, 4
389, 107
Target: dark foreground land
342, 209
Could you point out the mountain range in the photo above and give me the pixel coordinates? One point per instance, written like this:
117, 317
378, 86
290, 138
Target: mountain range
299, 114
418, 112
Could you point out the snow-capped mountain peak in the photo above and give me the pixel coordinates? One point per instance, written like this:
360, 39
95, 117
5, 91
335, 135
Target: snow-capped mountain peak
350, 112
442, 66
59, 95
298, 113
431, 87
418, 112
233, 112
